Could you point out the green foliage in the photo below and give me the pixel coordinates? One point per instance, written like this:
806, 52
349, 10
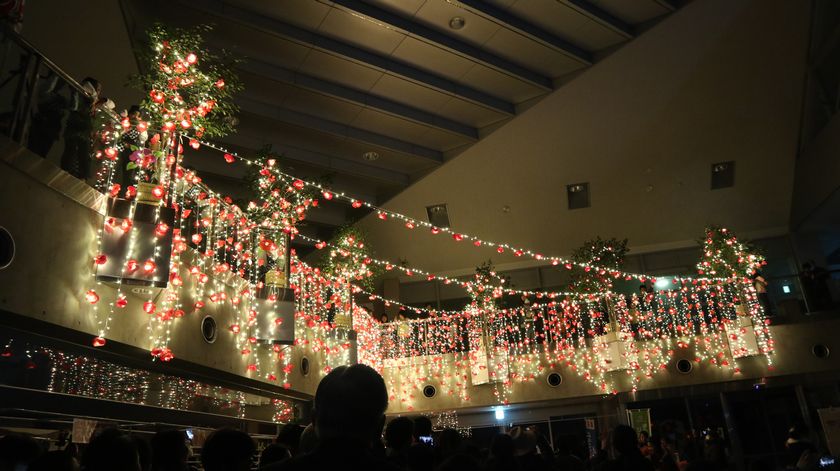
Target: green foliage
606, 254
348, 257
488, 290
725, 257
279, 204
199, 94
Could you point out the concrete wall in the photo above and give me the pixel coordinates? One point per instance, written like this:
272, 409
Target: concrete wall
793, 356
719, 80
54, 219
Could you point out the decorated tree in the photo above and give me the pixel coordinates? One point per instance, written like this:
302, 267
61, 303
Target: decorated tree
280, 203
725, 257
279, 206
605, 254
349, 258
488, 287
188, 89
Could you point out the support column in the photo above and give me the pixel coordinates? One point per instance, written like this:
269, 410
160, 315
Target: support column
734, 439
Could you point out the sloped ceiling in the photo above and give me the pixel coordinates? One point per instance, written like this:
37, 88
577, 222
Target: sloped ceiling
377, 93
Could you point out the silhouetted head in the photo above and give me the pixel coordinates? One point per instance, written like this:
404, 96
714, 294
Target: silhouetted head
308, 440
350, 402
169, 450
274, 453
289, 437
502, 447
17, 451
422, 427
524, 440
227, 450
398, 433
55, 461
624, 440
111, 449
95, 86
449, 442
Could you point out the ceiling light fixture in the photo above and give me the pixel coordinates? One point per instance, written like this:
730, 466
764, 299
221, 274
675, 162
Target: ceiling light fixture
370, 156
457, 22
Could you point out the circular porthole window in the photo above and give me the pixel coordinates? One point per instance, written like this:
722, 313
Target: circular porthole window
209, 329
304, 366
7, 248
820, 351
684, 366
554, 379
429, 391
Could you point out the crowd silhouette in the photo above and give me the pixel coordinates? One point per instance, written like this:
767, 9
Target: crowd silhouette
349, 432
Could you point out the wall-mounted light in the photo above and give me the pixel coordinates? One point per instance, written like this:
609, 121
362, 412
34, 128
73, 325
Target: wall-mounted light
786, 289
457, 22
577, 195
438, 215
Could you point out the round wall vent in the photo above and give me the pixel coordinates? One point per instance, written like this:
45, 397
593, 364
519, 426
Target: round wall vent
820, 351
304, 366
554, 379
684, 366
208, 329
429, 391
7, 248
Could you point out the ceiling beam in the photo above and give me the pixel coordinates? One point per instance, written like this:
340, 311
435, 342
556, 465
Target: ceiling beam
276, 27
260, 108
328, 162
325, 87
593, 11
557, 43
473, 53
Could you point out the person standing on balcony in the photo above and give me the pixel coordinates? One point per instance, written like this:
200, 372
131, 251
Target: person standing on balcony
47, 120
78, 132
12, 13
760, 285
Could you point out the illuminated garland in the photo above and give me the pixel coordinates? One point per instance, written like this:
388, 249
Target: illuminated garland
411, 223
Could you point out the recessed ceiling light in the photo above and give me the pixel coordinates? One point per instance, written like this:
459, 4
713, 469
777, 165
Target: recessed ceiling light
370, 156
457, 22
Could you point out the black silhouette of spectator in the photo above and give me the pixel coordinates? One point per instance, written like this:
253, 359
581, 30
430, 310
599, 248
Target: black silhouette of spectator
144, 452
629, 457
48, 119
398, 436
79, 129
349, 413
525, 449
289, 437
170, 451
111, 449
55, 461
459, 462
16, 452
422, 428
502, 454
308, 440
448, 444
563, 456
227, 450
274, 453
